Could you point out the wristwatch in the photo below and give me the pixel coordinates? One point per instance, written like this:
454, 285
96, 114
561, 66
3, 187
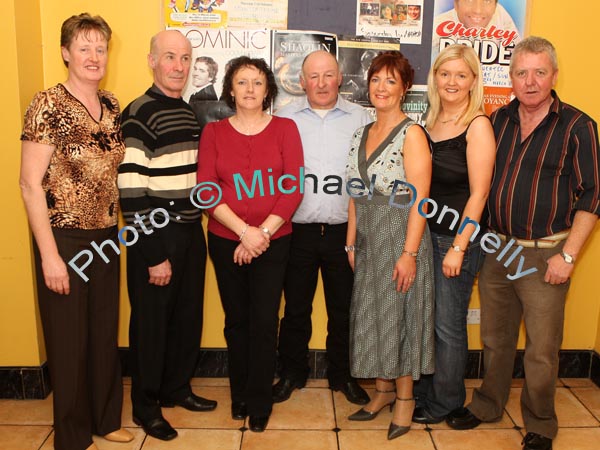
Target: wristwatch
457, 248
266, 231
568, 258
349, 248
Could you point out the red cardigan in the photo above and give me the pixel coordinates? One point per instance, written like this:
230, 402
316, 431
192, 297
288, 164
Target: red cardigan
239, 164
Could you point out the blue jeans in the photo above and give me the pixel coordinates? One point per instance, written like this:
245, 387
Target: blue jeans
444, 391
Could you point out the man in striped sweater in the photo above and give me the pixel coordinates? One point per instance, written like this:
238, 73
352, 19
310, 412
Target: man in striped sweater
166, 249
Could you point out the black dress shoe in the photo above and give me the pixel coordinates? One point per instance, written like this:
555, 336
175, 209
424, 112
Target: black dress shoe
258, 423
422, 415
158, 428
462, 419
353, 392
192, 402
239, 410
284, 388
534, 441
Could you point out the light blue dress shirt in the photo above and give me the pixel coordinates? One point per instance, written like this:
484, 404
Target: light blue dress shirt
326, 142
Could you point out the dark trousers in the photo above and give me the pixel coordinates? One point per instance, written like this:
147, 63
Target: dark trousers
166, 321
314, 247
80, 331
503, 304
251, 295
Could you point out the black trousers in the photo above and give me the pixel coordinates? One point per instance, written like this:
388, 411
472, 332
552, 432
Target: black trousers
316, 246
251, 295
80, 331
166, 321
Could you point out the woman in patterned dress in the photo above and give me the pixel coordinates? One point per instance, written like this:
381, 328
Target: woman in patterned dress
71, 148
388, 244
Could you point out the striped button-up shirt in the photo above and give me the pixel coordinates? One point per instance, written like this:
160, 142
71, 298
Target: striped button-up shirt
541, 181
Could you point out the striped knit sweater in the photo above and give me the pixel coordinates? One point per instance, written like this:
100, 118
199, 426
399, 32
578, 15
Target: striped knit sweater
159, 169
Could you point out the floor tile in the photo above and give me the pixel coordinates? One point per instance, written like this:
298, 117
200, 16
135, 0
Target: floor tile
317, 383
569, 410
196, 440
26, 412
477, 439
23, 437
579, 383
377, 439
473, 382
577, 439
306, 409
219, 418
590, 397
220, 382
103, 444
289, 440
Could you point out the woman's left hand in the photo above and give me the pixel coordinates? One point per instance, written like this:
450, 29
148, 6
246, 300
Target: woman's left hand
404, 272
241, 255
452, 264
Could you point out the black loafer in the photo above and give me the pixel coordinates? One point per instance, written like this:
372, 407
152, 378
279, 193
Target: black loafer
158, 428
422, 415
239, 410
353, 392
258, 423
284, 388
192, 402
534, 441
462, 419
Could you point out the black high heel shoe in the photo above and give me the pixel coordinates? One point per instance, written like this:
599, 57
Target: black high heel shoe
394, 430
363, 415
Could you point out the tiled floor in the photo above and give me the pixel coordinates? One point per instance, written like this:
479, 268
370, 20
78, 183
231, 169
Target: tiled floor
316, 419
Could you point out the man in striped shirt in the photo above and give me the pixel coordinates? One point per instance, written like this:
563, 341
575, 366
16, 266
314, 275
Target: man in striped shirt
166, 254
545, 198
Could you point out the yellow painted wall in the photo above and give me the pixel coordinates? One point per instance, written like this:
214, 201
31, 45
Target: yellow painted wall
34, 63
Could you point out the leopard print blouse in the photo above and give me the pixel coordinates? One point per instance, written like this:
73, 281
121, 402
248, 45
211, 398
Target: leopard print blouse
81, 179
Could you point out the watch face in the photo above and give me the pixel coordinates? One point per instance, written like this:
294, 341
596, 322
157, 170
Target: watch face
568, 258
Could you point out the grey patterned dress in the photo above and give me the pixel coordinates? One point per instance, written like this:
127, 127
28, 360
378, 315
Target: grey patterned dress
391, 333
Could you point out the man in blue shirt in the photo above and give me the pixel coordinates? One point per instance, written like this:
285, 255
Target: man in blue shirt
326, 123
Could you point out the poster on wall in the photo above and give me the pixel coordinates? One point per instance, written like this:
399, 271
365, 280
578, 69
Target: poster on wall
245, 14
415, 103
211, 51
289, 50
492, 29
400, 19
195, 13
355, 54
251, 14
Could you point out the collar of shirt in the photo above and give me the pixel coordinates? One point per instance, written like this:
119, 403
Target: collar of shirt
340, 104
513, 108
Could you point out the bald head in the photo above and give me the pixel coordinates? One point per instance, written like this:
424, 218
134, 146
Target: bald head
319, 57
168, 37
170, 59
321, 79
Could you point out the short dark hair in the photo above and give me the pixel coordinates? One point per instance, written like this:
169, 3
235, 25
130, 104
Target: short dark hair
395, 62
83, 23
234, 65
211, 64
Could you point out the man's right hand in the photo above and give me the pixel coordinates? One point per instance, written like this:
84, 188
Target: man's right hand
160, 274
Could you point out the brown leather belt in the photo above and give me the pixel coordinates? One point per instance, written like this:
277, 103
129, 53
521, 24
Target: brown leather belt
545, 242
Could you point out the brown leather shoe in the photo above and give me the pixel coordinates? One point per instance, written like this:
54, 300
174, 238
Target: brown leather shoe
120, 435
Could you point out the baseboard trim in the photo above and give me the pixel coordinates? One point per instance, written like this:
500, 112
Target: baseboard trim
34, 382
25, 383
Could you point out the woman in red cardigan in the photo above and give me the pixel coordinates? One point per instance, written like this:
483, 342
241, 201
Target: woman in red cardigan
255, 159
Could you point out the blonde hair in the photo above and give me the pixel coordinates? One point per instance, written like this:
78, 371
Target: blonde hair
475, 106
